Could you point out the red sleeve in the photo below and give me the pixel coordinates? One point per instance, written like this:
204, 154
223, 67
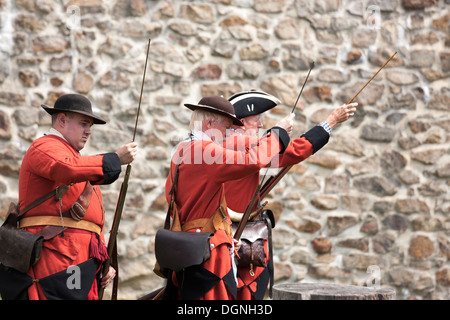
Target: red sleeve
301, 148
298, 150
235, 164
58, 162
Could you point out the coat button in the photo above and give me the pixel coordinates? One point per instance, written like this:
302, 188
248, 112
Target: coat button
211, 245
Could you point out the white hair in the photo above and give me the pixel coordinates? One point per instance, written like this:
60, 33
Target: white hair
199, 117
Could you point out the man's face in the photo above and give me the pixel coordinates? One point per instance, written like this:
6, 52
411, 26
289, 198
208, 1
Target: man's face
77, 129
252, 124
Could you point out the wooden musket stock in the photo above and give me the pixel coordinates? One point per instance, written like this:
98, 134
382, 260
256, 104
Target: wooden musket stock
246, 215
250, 206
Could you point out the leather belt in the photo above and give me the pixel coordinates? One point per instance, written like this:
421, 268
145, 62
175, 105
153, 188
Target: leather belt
198, 223
56, 221
218, 221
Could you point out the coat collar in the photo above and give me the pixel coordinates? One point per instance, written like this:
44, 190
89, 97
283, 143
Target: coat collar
55, 132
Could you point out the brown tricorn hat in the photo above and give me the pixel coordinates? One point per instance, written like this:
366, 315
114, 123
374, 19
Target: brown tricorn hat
217, 105
74, 103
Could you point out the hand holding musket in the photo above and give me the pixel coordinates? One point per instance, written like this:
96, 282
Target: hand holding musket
127, 152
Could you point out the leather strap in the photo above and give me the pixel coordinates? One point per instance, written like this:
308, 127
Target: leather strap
58, 193
219, 220
56, 221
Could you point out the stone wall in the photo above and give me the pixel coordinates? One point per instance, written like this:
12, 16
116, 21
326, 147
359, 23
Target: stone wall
371, 208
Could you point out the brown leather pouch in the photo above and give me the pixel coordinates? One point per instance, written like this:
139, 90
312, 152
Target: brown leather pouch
177, 250
77, 212
19, 249
78, 209
252, 251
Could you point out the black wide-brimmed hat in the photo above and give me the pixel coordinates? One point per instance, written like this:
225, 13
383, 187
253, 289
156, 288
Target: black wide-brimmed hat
216, 104
249, 103
74, 103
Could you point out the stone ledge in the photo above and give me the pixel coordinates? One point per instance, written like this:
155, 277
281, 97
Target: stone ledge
329, 291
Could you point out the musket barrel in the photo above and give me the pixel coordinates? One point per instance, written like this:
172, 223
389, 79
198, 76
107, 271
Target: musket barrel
298, 97
142, 89
122, 194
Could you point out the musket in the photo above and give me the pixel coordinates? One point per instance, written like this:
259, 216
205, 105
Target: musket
272, 181
298, 97
112, 242
246, 215
250, 206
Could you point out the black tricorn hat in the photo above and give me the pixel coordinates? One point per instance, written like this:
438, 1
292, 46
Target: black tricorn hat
248, 103
74, 103
217, 105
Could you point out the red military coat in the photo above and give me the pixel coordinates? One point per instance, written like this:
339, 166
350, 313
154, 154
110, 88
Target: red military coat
203, 169
49, 162
239, 193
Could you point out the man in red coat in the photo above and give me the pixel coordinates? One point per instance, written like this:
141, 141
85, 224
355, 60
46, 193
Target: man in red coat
249, 107
196, 184
71, 259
